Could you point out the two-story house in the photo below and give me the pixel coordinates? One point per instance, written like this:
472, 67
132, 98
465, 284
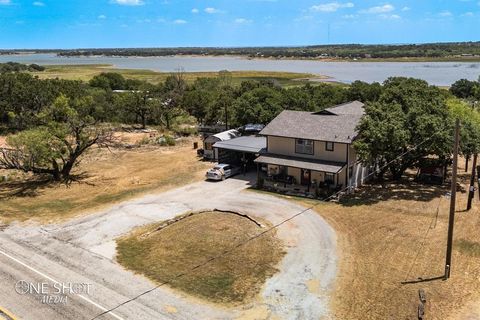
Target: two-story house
315, 147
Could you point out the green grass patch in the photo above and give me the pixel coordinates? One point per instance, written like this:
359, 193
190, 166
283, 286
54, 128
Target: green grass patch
161, 253
86, 72
468, 247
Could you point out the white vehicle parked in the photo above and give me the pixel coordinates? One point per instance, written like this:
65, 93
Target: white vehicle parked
222, 171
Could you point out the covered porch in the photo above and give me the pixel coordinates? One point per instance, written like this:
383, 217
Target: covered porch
300, 176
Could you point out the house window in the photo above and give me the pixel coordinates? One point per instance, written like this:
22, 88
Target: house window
304, 146
329, 146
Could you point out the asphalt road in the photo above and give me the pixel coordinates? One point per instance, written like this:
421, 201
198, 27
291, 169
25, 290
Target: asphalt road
82, 252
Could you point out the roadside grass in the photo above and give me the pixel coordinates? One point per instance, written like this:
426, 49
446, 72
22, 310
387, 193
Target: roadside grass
390, 233
86, 72
162, 253
110, 177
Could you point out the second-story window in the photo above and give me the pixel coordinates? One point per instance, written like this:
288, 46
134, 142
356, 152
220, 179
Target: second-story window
329, 146
304, 146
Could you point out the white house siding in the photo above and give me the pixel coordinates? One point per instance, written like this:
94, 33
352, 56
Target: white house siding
286, 146
341, 177
352, 154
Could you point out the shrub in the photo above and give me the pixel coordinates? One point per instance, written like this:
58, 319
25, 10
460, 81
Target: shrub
167, 140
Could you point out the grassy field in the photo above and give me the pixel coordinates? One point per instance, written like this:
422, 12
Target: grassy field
111, 176
86, 72
397, 233
162, 253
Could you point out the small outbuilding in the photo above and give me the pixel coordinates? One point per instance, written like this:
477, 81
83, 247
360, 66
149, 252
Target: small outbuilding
209, 152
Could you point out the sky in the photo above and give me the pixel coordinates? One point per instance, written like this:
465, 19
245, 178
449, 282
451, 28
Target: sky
27, 24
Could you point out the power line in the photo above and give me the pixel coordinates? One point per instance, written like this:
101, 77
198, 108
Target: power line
240, 244
432, 225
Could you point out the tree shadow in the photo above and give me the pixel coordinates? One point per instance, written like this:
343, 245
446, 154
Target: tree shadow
406, 189
421, 280
24, 188
31, 187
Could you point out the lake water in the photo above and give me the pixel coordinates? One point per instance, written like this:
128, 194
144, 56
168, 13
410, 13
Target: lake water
437, 73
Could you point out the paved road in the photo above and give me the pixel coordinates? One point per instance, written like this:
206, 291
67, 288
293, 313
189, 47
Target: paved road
82, 251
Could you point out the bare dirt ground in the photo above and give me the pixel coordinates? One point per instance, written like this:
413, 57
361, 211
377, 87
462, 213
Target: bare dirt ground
3, 142
397, 233
108, 176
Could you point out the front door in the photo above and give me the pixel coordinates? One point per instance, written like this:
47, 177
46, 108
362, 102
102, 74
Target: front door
306, 177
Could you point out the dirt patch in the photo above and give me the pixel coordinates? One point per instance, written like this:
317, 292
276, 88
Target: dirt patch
109, 177
3, 142
164, 254
395, 233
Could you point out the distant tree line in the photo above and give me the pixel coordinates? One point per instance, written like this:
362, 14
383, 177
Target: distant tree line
429, 50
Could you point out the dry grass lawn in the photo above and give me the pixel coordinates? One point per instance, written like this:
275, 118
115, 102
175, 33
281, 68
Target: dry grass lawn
110, 177
391, 234
86, 72
162, 254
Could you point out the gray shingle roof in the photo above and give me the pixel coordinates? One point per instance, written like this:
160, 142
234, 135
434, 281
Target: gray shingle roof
352, 108
338, 124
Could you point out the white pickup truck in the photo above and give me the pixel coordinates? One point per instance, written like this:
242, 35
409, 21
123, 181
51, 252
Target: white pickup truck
222, 171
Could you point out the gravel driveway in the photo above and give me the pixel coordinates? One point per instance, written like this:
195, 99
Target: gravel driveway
83, 250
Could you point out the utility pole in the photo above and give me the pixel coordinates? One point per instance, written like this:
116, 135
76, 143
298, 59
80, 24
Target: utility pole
471, 191
453, 198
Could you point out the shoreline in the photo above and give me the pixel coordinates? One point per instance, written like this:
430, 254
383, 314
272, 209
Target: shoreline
458, 59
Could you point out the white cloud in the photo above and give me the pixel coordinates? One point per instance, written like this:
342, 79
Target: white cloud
39, 4
390, 16
406, 9
102, 16
445, 13
4, 2
468, 14
379, 9
243, 21
195, 10
179, 21
211, 10
349, 16
129, 2
331, 7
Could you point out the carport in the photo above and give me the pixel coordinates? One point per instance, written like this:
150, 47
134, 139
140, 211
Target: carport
241, 151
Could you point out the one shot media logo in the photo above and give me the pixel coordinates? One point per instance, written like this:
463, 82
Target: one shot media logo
52, 293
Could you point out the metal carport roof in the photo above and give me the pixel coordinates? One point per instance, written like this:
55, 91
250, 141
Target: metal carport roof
301, 163
250, 144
